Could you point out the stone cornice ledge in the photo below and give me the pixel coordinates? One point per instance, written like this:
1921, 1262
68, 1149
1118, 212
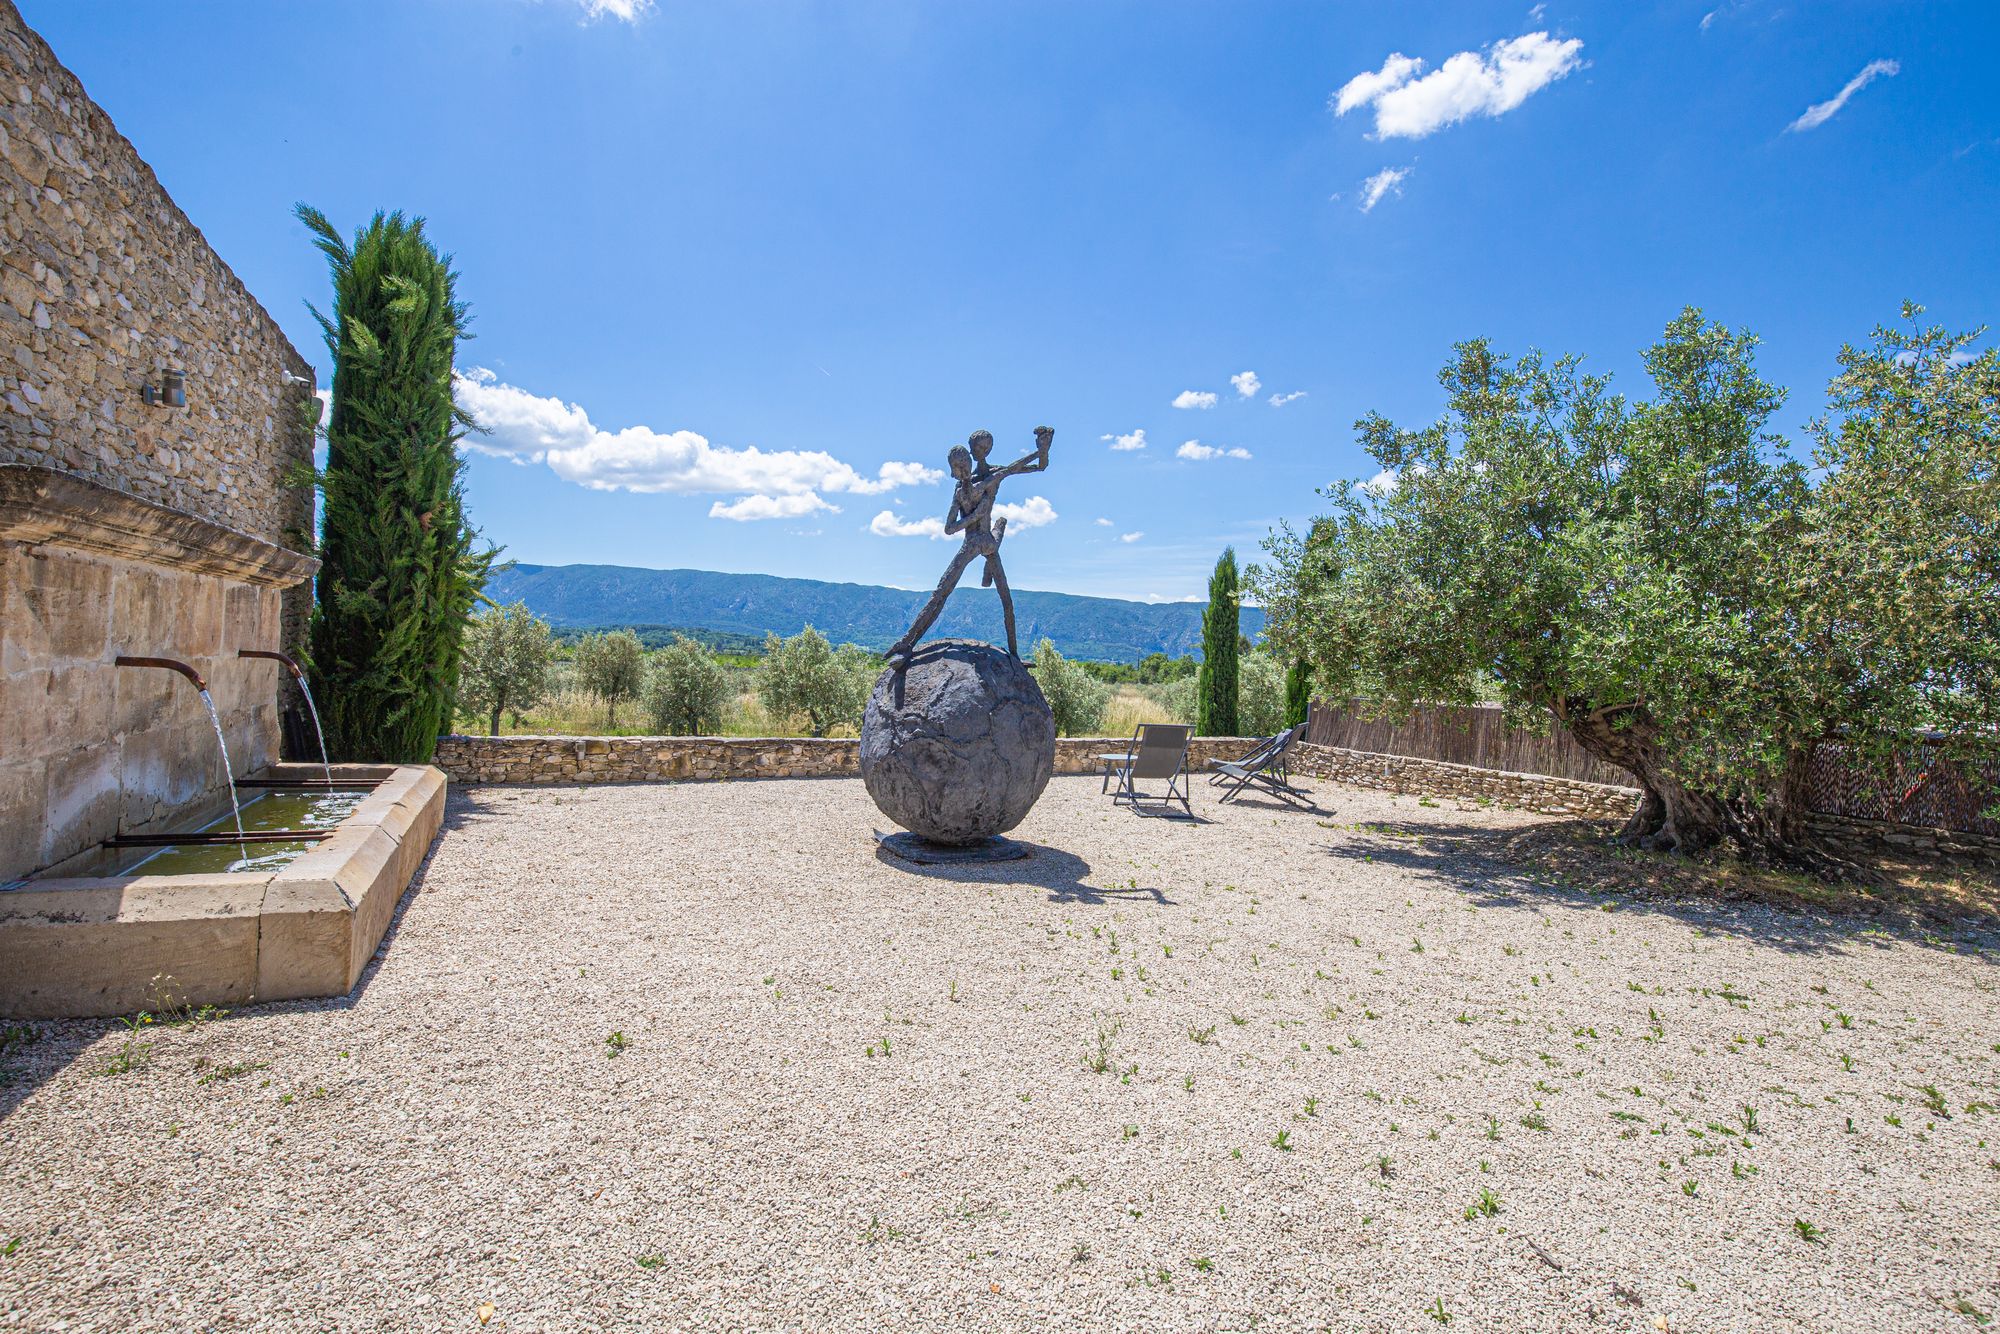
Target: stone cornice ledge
45, 506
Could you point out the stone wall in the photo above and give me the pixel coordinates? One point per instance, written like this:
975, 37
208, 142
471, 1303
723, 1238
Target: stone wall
128, 527
104, 283
654, 759
1434, 778
89, 749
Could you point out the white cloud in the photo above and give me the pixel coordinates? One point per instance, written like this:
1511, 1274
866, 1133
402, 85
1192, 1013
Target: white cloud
1381, 484
1200, 453
1130, 537
628, 10
1247, 384
770, 507
1466, 85
1362, 89
1381, 185
1034, 512
1194, 398
1136, 440
770, 484
1103, 523
886, 524
1819, 113
1279, 400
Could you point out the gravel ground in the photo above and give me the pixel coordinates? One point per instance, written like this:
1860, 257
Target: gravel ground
696, 1057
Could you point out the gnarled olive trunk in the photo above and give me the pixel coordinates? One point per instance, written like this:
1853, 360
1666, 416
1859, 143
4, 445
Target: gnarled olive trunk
1675, 817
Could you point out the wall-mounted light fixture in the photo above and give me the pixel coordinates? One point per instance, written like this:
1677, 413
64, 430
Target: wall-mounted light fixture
170, 392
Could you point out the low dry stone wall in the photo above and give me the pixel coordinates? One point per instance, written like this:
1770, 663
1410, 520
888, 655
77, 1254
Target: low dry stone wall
656, 759
1434, 778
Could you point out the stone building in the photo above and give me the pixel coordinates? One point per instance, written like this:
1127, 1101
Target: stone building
131, 522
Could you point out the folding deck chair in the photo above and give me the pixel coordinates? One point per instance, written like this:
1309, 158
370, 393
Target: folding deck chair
1257, 754
1158, 751
1267, 769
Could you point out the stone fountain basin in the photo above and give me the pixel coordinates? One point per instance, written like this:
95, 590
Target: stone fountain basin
75, 946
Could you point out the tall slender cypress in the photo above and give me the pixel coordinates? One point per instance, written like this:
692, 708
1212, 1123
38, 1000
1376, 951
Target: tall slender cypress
1298, 692
1215, 690
398, 576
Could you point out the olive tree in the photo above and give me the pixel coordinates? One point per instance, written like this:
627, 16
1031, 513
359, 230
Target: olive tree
806, 678
505, 667
611, 667
1076, 699
687, 690
1662, 578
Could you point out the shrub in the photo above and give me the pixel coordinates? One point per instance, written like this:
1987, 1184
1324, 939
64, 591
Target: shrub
1075, 698
805, 677
506, 665
687, 690
611, 667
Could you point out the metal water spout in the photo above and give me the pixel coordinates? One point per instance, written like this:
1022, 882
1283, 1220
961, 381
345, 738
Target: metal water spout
171, 664
298, 675
214, 718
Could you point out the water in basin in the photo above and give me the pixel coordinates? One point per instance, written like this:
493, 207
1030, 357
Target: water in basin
272, 810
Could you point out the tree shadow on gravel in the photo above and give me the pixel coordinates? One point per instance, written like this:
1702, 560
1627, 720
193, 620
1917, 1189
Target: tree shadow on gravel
1569, 862
1064, 874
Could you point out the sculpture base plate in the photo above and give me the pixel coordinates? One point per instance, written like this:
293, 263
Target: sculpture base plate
916, 848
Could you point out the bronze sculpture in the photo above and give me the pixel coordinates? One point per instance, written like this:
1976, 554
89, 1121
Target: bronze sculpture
976, 486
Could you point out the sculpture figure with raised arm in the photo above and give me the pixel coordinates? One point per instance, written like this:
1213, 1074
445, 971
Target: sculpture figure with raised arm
975, 489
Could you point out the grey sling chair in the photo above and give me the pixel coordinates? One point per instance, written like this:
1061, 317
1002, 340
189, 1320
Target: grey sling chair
1256, 756
1267, 770
1158, 751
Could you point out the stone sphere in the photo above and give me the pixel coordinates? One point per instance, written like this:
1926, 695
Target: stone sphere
957, 745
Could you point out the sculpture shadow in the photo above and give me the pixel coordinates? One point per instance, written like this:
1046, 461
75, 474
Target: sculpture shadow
1471, 860
1063, 874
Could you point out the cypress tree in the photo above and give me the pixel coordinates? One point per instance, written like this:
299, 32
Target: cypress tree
398, 576
1298, 692
1215, 691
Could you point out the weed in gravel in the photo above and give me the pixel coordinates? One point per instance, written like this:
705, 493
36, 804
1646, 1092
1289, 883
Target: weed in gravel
1128, 1131
1966, 1308
1071, 1183
651, 1261
232, 1070
1535, 1121
1282, 1141
616, 1044
1846, 1062
134, 1053
1809, 1231
879, 1047
1935, 1101
878, 1231
1749, 1115
1690, 1189
1097, 1059
1493, 1127
1080, 1253
1484, 1205
1312, 1106
1437, 1312
1187, 1083
8, 1247
1202, 1264
1201, 1037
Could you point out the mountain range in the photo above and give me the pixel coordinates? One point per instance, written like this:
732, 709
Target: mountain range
1105, 629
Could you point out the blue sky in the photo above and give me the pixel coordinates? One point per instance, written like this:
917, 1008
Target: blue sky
843, 236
